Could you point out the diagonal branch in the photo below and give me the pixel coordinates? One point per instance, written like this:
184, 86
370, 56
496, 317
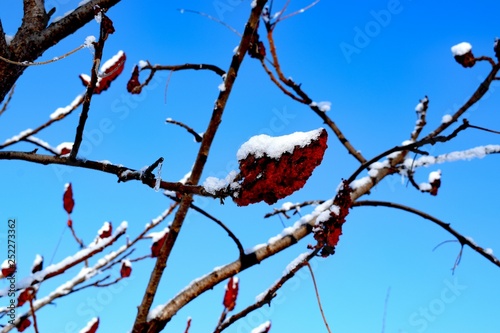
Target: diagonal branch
98, 47
446, 226
269, 294
218, 222
123, 173
303, 97
35, 17
141, 324
476, 96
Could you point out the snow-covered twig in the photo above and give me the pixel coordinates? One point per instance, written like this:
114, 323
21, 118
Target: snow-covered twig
61, 267
84, 275
57, 115
476, 96
295, 207
410, 146
267, 296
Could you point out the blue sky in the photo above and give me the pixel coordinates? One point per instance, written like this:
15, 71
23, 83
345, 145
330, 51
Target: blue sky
404, 56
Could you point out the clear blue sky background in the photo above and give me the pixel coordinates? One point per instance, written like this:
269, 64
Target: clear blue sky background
373, 94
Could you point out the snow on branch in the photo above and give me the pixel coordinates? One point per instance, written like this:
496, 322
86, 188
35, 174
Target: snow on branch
85, 274
57, 115
67, 263
464, 155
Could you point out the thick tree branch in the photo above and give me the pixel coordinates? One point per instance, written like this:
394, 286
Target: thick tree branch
28, 45
35, 17
123, 173
446, 226
141, 325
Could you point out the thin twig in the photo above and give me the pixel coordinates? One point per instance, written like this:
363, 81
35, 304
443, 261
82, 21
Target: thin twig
269, 294
317, 297
182, 11
300, 11
299, 205
217, 221
27, 133
78, 240
28, 63
35, 325
99, 46
9, 97
488, 59
386, 303
197, 137
304, 98
476, 96
446, 226
410, 147
123, 173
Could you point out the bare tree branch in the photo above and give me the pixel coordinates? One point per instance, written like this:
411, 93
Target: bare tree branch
141, 325
197, 137
268, 295
446, 226
28, 45
218, 222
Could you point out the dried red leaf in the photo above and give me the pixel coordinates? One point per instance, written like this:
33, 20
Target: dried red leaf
110, 70
327, 232
269, 179
7, 269
68, 201
65, 151
23, 324
466, 60
126, 269
134, 85
85, 79
91, 327
435, 186
107, 24
25, 296
156, 247
106, 230
37, 264
231, 294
